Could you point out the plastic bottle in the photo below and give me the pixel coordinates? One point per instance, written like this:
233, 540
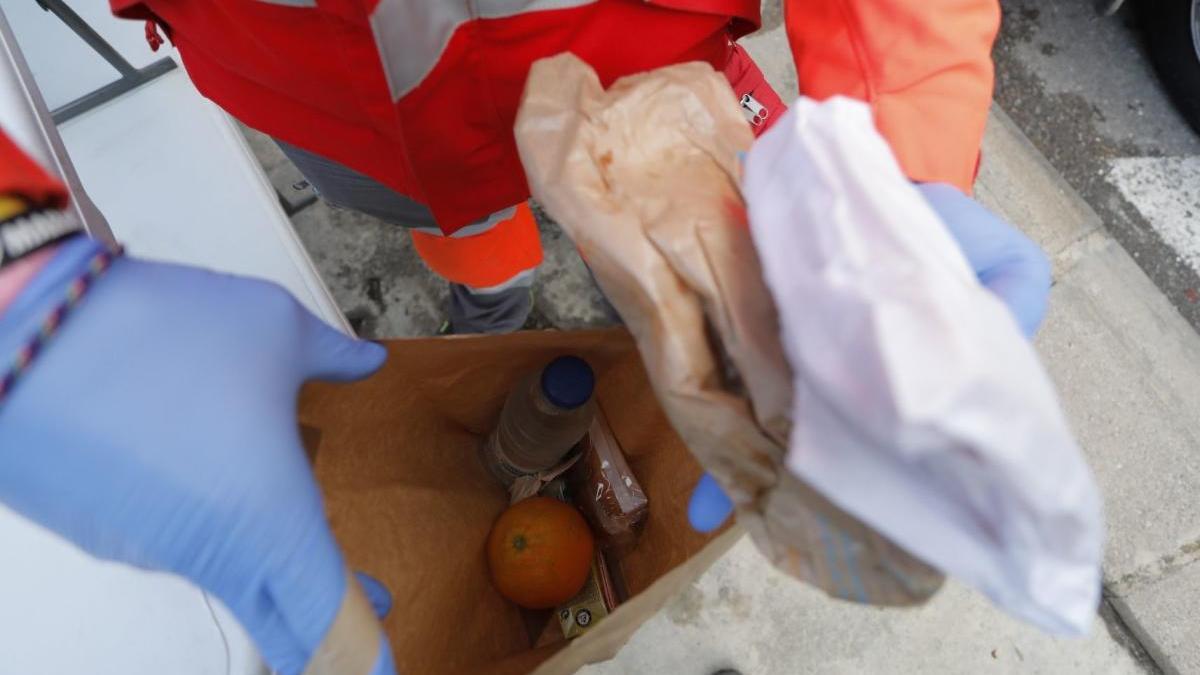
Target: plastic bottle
544, 416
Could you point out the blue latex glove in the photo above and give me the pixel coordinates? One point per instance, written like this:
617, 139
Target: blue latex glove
377, 594
1007, 263
709, 506
158, 428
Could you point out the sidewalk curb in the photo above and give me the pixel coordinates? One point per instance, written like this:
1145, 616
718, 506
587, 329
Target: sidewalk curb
1072, 241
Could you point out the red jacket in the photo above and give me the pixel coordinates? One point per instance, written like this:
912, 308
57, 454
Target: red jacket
22, 177
424, 101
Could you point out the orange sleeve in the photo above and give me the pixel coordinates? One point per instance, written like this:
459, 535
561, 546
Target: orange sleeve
21, 176
924, 66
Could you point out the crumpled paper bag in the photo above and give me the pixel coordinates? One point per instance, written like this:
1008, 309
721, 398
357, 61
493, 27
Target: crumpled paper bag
643, 177
919, 405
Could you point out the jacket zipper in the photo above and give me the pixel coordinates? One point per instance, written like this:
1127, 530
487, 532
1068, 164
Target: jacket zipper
756, 112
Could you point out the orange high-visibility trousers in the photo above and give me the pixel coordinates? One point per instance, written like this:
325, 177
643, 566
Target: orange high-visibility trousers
498, 253
490, 263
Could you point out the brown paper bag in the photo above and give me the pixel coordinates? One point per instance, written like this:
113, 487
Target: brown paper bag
411, 503
644, 178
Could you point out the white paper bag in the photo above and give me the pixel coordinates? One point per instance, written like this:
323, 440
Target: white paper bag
919, 406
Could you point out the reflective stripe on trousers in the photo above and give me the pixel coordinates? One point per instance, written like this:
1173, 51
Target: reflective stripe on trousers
501, 256
491, 264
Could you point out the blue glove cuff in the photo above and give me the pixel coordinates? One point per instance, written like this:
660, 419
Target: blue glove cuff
50, 285
384, 665
30, 322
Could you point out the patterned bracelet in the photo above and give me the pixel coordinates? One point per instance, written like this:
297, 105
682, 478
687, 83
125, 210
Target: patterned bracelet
98, 265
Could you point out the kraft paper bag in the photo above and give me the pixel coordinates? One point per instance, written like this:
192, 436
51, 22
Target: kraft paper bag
644, 179
411, 503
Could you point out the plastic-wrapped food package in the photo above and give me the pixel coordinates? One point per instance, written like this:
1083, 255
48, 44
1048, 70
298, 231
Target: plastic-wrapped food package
606, 489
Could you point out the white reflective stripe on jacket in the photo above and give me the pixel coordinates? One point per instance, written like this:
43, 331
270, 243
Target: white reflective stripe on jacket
410, 35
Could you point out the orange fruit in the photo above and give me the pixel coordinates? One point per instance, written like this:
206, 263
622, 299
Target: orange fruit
540, 552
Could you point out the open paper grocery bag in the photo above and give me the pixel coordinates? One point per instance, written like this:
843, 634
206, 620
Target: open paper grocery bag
411, 503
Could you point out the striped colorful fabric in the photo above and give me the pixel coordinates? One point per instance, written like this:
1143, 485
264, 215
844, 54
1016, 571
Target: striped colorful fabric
75, 292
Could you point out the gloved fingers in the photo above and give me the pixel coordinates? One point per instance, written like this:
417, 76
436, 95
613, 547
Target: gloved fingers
333, 355
1023, 284
1011, 266
276, 643
377, 594
384, 664
709, 507
1005, 260
308, 584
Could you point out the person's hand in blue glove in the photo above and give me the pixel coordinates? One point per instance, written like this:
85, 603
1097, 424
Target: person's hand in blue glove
1007, 263
158, 427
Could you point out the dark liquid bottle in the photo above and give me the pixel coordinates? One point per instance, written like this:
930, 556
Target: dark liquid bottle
544, 416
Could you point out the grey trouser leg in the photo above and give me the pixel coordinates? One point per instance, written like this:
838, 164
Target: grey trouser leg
471, 310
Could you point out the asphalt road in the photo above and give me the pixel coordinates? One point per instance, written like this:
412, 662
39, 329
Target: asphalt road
1081, 87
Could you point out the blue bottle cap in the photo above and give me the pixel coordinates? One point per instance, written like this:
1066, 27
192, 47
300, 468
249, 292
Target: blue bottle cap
568, 381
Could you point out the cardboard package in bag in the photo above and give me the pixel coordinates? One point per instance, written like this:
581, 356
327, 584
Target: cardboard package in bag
643, 178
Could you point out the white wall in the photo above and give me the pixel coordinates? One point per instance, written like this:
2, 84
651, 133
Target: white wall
66, 67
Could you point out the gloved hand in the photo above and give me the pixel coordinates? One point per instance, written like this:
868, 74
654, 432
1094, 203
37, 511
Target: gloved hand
158, 428
1007, 263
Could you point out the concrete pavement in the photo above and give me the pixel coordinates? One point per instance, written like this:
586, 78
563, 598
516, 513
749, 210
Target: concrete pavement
1082, 89
1127, 366
744, 614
